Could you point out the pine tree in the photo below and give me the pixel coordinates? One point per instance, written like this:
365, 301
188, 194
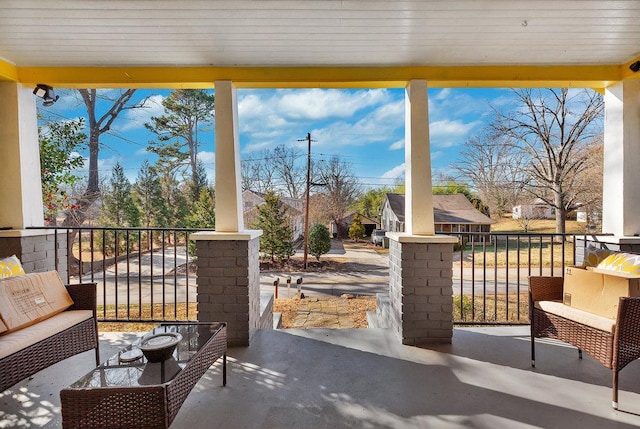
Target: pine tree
147, 194
189, 113
174, 199
203, 211
198, 182
319, 240
118, 207
276, 240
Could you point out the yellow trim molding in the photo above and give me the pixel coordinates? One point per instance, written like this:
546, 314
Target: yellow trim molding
590, 76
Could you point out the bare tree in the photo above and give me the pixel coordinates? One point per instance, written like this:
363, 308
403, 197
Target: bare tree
494, 169
98, 125
589, 185
291, 174
340, 186
258, 173
550, 128
280, 170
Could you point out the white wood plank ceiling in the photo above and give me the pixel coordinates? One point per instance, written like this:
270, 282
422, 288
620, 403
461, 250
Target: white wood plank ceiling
318, 32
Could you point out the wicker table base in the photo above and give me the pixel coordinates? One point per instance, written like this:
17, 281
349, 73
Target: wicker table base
145, 395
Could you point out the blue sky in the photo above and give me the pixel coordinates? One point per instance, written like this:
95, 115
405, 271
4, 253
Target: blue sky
363, 127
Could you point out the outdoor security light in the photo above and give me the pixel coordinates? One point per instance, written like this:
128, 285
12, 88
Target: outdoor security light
46, 93
635, 66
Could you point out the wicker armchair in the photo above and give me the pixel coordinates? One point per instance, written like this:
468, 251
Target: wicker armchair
614, 351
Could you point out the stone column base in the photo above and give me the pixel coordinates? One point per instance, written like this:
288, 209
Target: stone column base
38, 249
228, 279
421, 287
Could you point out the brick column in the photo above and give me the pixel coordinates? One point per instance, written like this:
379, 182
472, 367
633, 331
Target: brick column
229, 282
421, 287
36, 250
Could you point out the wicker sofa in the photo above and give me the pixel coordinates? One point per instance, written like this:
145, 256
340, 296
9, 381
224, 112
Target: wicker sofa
613, 343
33, 348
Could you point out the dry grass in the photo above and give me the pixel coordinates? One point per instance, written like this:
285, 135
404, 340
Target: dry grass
491, 309
171, 313
508, 251
537, 226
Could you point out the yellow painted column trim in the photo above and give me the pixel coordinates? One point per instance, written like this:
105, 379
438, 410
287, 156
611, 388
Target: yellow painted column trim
8, 72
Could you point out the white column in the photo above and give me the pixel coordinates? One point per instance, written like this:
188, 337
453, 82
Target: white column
20, 182
621, 190
418, 190
228, 188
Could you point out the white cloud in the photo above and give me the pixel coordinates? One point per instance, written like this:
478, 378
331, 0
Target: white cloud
208, 158
397, 145
447, 128
380, 125
132, 119
443, 94
320, 104
395, 172
282, 116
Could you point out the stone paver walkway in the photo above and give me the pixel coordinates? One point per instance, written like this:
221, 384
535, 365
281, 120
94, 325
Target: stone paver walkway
323, 313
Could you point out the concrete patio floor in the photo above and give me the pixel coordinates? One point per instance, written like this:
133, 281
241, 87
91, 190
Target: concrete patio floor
364, 378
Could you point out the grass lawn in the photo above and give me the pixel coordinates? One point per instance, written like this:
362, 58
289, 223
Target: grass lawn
518, 250
493, 308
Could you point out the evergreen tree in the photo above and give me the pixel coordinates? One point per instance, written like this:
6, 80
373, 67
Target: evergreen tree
276, 240
202, 214
356, 230
203, 211
147, 194
118, 207
174, 199
198, 182
319, 240
188, 113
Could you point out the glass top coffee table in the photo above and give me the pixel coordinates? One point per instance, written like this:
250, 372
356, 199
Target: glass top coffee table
126, 391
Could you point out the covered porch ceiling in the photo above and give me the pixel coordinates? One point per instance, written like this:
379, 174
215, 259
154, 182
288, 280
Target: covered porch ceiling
302, 43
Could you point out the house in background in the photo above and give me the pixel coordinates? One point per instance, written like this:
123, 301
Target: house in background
340, 228
452, 214
251, 200
538, 210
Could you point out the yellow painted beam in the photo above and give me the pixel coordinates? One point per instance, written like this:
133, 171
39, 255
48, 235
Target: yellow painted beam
627, 73
8, 71
323, 77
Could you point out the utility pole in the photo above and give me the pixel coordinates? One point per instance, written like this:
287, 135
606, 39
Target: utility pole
306, 209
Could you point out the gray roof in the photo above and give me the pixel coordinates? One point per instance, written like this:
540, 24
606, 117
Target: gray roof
446, 209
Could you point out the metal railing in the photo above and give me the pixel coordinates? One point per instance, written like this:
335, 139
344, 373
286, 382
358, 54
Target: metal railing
491, 270
142, 274
146, 274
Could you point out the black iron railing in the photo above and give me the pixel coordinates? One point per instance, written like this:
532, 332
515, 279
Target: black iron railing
142, 274
148, 274
491, 271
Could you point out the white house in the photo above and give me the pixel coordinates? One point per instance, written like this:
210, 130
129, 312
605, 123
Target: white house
538, 210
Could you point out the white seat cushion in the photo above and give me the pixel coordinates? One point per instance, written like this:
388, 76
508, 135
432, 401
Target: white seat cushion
593, 320
18, 340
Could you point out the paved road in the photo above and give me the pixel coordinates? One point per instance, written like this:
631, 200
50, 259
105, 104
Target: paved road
370, 277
